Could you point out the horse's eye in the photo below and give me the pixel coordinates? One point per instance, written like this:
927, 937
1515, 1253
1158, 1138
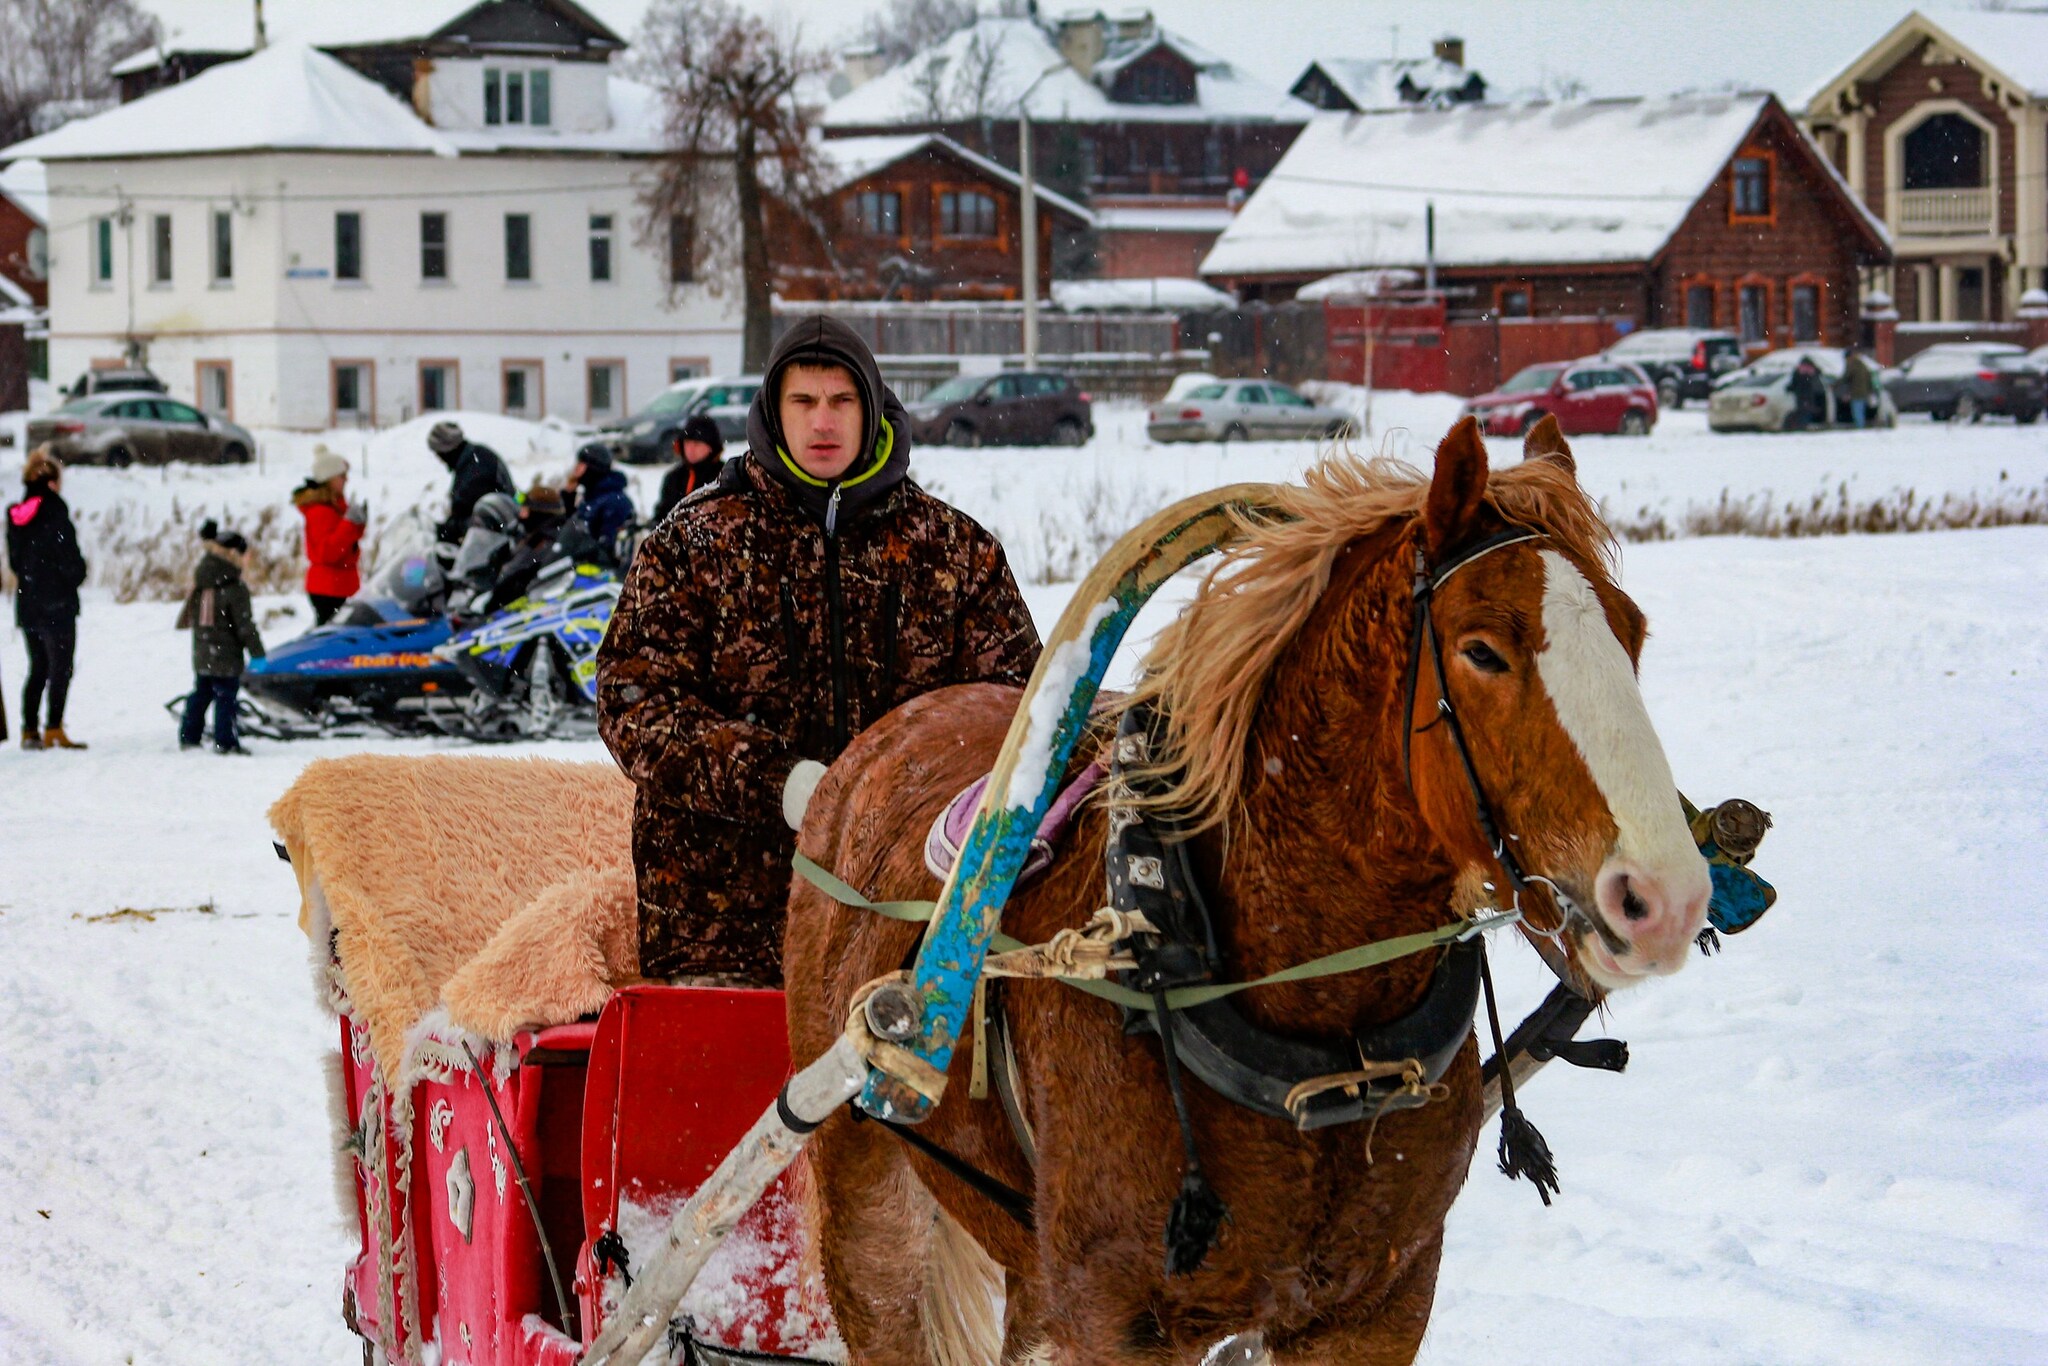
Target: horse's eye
1481, 656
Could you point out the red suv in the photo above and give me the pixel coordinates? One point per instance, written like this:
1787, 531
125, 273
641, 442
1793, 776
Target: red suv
1591, 396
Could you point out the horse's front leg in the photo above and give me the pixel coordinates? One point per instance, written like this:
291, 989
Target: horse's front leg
1386, 1333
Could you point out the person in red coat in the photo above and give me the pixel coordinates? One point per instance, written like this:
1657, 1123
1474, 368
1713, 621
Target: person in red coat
334, 533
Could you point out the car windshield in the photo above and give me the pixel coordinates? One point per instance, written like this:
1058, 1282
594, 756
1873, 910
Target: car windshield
1533, 380
83, 405
955, 389
670, 403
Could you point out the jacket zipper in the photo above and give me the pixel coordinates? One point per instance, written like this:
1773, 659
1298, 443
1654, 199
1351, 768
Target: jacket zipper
836, 624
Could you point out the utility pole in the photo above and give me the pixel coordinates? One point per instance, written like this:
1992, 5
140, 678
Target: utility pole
1429, 246
262, 40
1029, 203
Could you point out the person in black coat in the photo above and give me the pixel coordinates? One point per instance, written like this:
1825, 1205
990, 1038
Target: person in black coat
42, 545
476, 470
700, 452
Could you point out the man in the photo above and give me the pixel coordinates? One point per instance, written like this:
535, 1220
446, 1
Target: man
1859, 382
603, 504
700, 456
476, 471
766, 622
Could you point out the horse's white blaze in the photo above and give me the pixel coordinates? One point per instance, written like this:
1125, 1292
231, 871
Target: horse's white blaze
1593, 688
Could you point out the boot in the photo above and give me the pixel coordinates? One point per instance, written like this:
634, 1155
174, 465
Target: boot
31, 738
55, 738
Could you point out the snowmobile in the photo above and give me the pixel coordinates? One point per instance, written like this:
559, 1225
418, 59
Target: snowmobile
531, 670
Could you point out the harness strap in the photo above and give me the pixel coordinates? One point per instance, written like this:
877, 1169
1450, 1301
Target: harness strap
1004, 1196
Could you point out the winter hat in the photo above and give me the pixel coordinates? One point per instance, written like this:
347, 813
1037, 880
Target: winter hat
327, 465
445, 438
595, 457
41, 468
210, 532
702, 428
545, 500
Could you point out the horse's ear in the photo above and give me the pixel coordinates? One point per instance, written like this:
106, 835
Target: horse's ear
1546, 439
1456, 490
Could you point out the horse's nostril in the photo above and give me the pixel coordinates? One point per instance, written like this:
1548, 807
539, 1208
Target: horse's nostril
1632, 905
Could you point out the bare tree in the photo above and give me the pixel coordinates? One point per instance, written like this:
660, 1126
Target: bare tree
728, 83
907, 27
963, 90
55, 53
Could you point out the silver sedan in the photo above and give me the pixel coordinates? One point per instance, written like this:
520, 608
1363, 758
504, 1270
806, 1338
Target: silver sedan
124, 428
1242, 410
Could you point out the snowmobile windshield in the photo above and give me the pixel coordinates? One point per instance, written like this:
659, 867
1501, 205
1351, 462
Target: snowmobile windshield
476, 561
416, 584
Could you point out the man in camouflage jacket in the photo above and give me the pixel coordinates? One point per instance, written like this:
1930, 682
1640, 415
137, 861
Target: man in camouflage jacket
769, 620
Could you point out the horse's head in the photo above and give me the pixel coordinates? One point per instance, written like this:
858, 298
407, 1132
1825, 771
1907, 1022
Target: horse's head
1538, 650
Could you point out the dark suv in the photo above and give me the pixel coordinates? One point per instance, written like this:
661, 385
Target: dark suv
1965, 382
1015, 408
1683, 362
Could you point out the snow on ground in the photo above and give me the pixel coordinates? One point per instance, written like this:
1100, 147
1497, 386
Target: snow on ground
1826, 1149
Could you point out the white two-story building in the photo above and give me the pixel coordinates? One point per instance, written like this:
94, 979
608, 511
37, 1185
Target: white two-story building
291, 242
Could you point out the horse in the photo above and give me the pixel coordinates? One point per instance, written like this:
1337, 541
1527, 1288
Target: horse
1286, 713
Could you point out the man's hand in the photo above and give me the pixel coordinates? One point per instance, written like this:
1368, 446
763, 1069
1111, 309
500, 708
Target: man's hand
797, 790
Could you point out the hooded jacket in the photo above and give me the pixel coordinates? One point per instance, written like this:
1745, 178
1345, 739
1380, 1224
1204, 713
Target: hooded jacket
771, 618
42, 546
220, 616
684, 479
333, 542
604, 506
476, 471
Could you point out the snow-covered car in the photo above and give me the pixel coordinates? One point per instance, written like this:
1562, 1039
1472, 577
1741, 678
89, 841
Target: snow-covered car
134, 380
1242, 410
1681, 361
1968, 381
1758, 397
1590, 396
127, 428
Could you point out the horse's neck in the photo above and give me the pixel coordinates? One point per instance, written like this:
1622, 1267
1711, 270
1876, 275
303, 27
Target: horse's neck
1328, 849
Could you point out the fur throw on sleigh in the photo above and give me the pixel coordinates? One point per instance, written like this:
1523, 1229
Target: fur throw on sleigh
500, 890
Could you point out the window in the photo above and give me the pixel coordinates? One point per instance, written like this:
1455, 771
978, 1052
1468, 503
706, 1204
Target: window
1806, 313
160, 249
1511, 301
353, 390
604, 387
348, 246
170, 410
600, 246
102, 251
539, 99
1755, 313
438, 386
966, 213
1752, 186
682, 258
1699, 307
520, 381
1252, 393
1944, 152
223, 247
693, 367
217, 388
493, 96
518, 246
878, 213
433, 246
515, 97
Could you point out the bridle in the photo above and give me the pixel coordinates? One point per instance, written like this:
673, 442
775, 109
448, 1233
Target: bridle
1428, 578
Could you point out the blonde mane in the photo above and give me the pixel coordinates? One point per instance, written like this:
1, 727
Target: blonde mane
1207, 671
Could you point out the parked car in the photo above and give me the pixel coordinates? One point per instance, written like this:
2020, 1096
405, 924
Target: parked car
125, 428
727, 401
1242, 410
648, 436
1015, 408
134, 380
1682, 362
1593, 396
1967, 382
1758, 397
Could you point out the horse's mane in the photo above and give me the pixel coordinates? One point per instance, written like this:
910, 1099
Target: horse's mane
1206, 672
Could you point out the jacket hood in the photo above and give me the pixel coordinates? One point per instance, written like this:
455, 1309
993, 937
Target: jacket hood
310, 494
884, 457
218, 567
611, 481
24, 512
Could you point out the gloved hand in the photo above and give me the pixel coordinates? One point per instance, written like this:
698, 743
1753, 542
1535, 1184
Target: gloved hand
358, 512
797, 790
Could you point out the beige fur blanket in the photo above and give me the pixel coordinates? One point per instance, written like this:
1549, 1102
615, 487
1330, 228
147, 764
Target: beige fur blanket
500, 889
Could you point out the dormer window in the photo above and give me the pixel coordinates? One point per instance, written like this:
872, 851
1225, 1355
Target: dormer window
517, 96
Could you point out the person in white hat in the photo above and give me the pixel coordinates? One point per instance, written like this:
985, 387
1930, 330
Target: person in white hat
334, 533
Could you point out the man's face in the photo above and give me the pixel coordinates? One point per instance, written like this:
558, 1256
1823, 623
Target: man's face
821, 418
695, 451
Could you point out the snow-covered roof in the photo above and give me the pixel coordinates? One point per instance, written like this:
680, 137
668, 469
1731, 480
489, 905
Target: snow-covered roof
28, 184
942, 84
858, 157
230, 25
1094, 296
1371, 84
294, 98
1162, 217
1353, 284
1599, 180
13, 295
2011, 43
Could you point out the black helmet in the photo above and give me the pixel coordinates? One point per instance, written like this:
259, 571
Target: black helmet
702, 428
497, 512
595, 456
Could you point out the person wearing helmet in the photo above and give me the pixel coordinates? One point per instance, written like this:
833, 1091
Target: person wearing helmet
700, 456
767, 621
544, 526
494, 523
603, 506
476, 470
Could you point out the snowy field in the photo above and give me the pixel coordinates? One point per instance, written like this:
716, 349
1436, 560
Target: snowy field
1827, 1148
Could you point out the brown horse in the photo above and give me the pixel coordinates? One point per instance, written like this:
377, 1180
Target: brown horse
1282, 689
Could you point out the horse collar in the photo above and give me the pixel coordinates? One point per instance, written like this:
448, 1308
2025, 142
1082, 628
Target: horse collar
1310, 1083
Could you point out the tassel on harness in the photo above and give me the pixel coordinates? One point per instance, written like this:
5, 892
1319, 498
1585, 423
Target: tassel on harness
1522, 1149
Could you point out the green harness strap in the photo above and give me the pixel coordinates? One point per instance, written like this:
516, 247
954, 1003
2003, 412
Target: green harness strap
1180, 998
